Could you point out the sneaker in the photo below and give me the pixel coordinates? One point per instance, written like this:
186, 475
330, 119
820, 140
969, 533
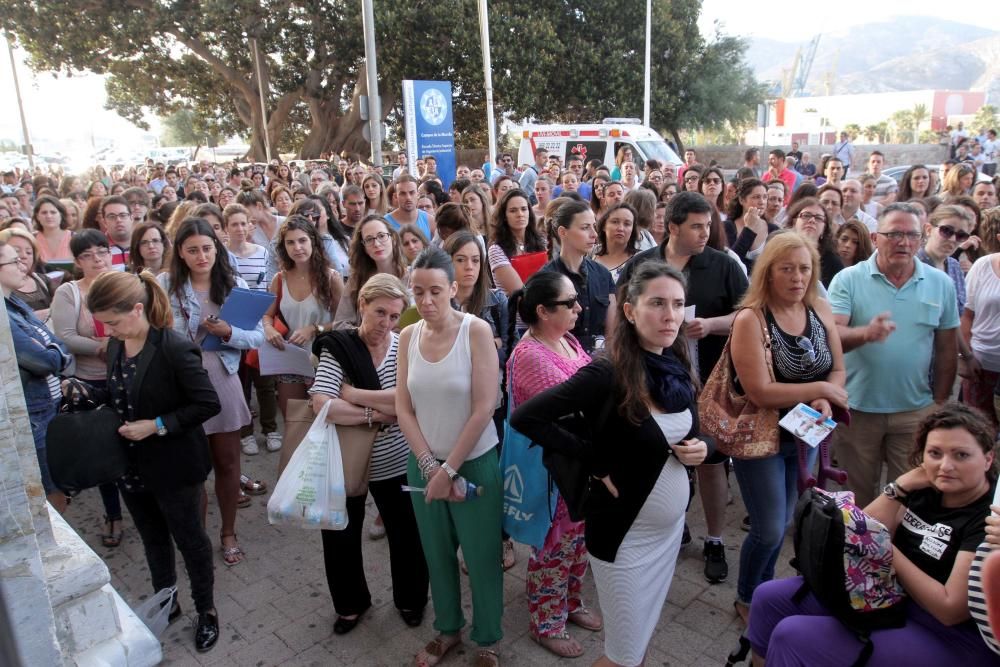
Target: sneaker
716, 568
249, 445
273, 441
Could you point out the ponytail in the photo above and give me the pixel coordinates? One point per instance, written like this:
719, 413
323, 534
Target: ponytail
118, 292
158, 310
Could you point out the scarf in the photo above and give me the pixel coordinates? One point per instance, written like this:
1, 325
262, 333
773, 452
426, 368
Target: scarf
669, 381
353, 356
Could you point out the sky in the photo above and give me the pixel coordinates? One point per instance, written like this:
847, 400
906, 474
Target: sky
47, 99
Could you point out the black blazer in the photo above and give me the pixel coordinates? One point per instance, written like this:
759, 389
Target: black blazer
171, 383
633, 455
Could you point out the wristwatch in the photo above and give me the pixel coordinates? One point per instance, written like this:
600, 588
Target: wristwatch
895, 492
319, 329
161, 430
452, 473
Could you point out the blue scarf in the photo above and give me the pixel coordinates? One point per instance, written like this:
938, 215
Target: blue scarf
669, 381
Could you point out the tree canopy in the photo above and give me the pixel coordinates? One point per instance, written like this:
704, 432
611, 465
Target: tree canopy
566, 60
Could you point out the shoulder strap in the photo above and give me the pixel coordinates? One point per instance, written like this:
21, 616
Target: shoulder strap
77, 297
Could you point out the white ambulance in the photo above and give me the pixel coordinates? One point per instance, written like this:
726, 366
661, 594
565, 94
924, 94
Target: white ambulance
596, 140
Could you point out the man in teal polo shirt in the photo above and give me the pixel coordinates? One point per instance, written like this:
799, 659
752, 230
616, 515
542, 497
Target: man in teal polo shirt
898, 322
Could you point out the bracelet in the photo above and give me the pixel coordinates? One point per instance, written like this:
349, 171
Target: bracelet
368, 416
427, 464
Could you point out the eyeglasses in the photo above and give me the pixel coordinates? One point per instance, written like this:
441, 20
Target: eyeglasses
117, 216
380, 238
812, 217
150, 242
691, 179
808, 351
313, 216
712, 181
896, 237
947, 231
569, 303
88, 256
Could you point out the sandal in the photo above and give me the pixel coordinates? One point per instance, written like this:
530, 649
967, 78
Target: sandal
252, 487
111, 539
485, 657
435, 651
243, 501
231, 555
586, 619
562, 644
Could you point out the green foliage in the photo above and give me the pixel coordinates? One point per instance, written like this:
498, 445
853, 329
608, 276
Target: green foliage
853, 130
878, 132
987, 117
186, 127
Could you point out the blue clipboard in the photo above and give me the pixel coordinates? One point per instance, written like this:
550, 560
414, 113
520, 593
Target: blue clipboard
243, 310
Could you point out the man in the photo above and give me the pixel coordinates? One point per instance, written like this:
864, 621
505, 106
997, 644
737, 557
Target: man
669, 173
957, 137
690, 158
477, 176
354, 207
795, 153
171, 179
854, 196
9, 181
834, 171
401, 169
985, 194
138, 205
462, 172
805, 166
156, 182
430, 166
408, 213
991, 151
776, 170
530, 174
844, 151
790, 166
751, 160
504, 167
911, 311
116, 223
356, 174
884, 185
716, 284
317, 177
342, 167
614, 193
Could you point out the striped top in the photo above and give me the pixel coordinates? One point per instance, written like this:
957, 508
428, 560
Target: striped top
253, 268
390, 450
977, 601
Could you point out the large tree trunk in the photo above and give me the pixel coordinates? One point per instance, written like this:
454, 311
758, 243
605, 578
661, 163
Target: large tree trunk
677, 140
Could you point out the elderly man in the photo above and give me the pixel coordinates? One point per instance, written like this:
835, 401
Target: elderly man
854, 196
898, 324
317, 177
805, 166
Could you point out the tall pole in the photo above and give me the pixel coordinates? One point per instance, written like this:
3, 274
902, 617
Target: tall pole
260, 89
484, 38
374, 101
20, 105
649, 33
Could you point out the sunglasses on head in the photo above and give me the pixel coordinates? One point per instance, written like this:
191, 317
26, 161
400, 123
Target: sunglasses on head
947, 231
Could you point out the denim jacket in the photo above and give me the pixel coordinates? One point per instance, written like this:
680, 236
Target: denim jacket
36, 360
187, 317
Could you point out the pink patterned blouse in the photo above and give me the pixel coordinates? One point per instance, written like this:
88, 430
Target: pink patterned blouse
533, 368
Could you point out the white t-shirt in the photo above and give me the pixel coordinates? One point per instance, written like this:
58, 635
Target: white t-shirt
983, 298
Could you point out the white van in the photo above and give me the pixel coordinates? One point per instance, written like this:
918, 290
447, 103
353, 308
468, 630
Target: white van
596, 140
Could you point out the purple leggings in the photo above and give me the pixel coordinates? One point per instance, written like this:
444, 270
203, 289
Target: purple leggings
791, 633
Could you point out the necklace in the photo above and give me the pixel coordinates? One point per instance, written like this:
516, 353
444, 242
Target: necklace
559, 348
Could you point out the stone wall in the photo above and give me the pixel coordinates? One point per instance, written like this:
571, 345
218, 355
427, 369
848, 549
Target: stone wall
731, 157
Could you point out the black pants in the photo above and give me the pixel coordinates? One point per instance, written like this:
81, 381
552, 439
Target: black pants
165, 517
345, 572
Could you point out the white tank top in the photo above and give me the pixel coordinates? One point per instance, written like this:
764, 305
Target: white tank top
441, 394
298, 314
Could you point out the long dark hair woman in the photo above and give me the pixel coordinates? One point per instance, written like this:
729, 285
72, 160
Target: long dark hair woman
514, 232
198, 284
375, 248
746, 228
915, 184
159, 386
643, 394
809, 218
617, 233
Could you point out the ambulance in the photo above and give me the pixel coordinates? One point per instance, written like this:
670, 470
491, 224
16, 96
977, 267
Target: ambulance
596, 140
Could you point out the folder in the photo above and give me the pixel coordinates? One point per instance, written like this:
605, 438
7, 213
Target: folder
243, 309
527, 265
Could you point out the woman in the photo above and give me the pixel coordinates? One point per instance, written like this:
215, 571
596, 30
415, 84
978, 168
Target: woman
87, 340
198, 282
36, 290
854, 243
543, 195
73, 215
915, 184
226, 196
809, 218
746, 228
163, 407
946, 230
413, 241
616, 238
980, 327
452, 218
623, 155
692, 178
357, 376
41, 357
832, 200
654, 177
282, 200
307, 291
502, 186
869, 183
808, 367
446, 393
473, 292
949, 490
336, 241
149, 249
546, 356
51, 230
668, 191
265, 225
375, 248
375, 199
959, 180
514, 233
478, 208
710, 185
643, 202
251, 259
659, 227
643, 394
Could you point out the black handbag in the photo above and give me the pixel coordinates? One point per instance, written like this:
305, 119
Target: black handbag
83, 446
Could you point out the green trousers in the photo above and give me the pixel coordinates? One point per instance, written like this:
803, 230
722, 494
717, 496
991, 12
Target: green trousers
475, 526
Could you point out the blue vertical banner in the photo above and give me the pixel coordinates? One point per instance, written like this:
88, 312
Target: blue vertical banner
430, 128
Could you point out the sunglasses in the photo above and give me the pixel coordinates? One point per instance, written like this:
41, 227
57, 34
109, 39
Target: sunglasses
947, 231
569, 303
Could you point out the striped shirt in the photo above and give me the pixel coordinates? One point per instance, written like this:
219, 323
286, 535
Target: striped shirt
390, 450
119, 258
253, 268
977, 601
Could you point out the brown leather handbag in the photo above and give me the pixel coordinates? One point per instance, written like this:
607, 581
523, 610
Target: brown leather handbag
740, 428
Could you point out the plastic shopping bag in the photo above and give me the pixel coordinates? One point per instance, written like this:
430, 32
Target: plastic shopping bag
310, 492
155, 611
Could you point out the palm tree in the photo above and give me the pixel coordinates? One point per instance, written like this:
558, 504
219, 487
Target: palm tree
919, 116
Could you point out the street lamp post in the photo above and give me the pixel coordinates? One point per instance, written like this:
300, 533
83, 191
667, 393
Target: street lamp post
484, 36
371, 68
649, 33
20, 105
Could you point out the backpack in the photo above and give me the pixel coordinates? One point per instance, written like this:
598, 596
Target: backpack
845, 559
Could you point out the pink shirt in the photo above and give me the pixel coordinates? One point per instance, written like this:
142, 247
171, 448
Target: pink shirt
61, 254
533, 368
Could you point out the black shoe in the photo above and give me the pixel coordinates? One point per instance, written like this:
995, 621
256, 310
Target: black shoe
175, 612
344, 625
207, 632
745, 523
412, 617
716, 568
686, 537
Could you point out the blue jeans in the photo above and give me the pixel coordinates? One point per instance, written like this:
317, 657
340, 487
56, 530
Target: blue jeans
39, 416
770, 489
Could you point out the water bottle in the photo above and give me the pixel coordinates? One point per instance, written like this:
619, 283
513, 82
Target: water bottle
462, 487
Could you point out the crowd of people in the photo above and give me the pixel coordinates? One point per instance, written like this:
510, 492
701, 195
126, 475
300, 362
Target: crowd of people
582, 305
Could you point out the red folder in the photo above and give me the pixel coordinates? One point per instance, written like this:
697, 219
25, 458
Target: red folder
528, 264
